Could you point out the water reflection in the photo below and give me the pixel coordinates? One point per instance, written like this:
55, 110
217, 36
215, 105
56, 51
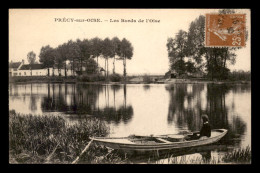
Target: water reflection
144, 109
188, 102
185, 105
94, 100
146, 87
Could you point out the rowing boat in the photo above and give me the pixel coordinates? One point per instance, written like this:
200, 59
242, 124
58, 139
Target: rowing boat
159, 142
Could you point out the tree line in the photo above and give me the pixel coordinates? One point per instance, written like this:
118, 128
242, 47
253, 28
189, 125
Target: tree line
191, 45
81, 52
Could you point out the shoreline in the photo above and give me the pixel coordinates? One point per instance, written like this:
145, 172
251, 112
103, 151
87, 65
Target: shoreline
135, 82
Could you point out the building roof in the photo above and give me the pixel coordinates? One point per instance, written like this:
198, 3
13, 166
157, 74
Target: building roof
14, 64
34, 67
101, 69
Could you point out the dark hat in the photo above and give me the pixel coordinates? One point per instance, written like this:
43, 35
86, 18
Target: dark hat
205, 117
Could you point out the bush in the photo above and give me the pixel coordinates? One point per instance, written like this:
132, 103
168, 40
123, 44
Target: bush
115, 77
240, 75
147, 79
91, 78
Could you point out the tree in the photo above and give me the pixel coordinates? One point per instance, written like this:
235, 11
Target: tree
84, 52
73, 53
177, 50
91, 65
31, 57
116, 50
190, 67
46, 57
107, 52
195, 40
96, 47
58, 59
126, 52
62, 57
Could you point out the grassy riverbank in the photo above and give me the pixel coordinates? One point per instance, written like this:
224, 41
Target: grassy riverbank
42, 79
49, 139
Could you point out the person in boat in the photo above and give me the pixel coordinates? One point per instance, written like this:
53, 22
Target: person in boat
206, 129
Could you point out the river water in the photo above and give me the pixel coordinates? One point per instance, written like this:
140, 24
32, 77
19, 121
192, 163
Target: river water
145, 109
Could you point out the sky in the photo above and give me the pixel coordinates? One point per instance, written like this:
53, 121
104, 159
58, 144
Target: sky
30, 29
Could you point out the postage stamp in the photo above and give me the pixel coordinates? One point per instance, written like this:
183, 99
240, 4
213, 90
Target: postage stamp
225, 30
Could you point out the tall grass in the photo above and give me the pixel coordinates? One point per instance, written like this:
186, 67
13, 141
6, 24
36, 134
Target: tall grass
241, 155
49, 139
236, 156
190, 160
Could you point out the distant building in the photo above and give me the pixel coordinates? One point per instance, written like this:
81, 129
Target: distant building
171, 74
21, 69
35, 69
198, 74
101, 71
88, 67
13, 68
59, 72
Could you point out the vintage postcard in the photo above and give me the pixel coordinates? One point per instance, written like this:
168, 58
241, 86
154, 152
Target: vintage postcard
138, 86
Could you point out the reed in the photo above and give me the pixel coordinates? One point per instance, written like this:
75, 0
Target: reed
192, 160
241, 155
236, 156
49, 139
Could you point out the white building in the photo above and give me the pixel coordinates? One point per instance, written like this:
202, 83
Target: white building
21, 69
62, 72
13, 68
37, 70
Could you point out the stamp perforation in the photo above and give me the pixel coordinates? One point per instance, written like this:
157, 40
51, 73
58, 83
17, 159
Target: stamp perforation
224, 34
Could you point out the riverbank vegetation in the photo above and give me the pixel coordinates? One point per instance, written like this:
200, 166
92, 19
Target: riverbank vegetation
50, 139
237, 156
234, 77
41, 79
240, 76
69, 79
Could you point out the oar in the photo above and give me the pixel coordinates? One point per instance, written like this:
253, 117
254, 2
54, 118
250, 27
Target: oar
52, 153
85, 149
183, 132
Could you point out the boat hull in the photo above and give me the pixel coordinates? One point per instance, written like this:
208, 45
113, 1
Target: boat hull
109, 142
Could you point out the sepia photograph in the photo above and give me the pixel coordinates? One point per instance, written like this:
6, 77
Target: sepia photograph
129, 86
